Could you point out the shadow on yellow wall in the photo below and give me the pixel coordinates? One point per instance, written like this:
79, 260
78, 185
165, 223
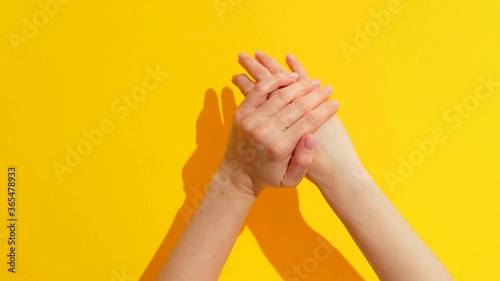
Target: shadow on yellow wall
294, 249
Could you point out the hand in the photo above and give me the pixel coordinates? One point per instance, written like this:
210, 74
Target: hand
272, 142
335, 158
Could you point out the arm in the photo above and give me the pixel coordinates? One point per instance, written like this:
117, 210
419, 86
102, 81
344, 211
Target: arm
268, 147
203, 248
391, 247
389, 244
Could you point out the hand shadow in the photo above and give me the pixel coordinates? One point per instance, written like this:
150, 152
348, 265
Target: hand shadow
294, 249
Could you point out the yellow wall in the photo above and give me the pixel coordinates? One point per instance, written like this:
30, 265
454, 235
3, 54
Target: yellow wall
68, 79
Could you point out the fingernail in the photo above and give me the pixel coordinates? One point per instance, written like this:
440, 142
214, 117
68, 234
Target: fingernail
293, 75
310, 142
242, 56
336, 103
290, 57
329, 89
316, 83
259, 54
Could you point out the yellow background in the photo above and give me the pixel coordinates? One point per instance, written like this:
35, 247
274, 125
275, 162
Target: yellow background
106, 219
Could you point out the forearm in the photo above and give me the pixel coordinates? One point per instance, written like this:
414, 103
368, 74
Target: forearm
204, 246
390, 245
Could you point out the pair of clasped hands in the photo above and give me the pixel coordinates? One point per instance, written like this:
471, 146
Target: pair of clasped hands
284, 130
286, 126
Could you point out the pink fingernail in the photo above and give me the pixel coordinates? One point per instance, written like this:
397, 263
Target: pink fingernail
316, 83
310, 142
242, 56
336, 103
290, 57
329, 89
293, 75
259, 54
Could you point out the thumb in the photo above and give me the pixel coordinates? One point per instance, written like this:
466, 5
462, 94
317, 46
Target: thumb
301, 161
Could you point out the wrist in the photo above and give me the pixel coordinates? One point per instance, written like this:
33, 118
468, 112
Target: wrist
230, 175
350, 180
222, 194
332, 177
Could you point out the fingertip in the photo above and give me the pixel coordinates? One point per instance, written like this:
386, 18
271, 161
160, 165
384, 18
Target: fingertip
316, 83
335, 105
293, 75
290, 57
328, 89
259, 54
234, 78
310, 142
242, 56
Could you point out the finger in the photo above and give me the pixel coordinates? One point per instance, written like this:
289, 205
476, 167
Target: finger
253, 67
259, 93
269, 62
296, 66
302, 159
299, 107
284, 96
312, 121
228, 106
243, 83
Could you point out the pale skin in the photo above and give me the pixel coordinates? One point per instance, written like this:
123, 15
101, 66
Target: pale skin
271, 145
284, 146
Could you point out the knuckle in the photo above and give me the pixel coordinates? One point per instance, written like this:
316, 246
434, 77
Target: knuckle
300, 105
262, 73
312, 119
279, 78
261, 135
247, 124
281, 95
245, 89
259, 88
278, 122
276, 151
